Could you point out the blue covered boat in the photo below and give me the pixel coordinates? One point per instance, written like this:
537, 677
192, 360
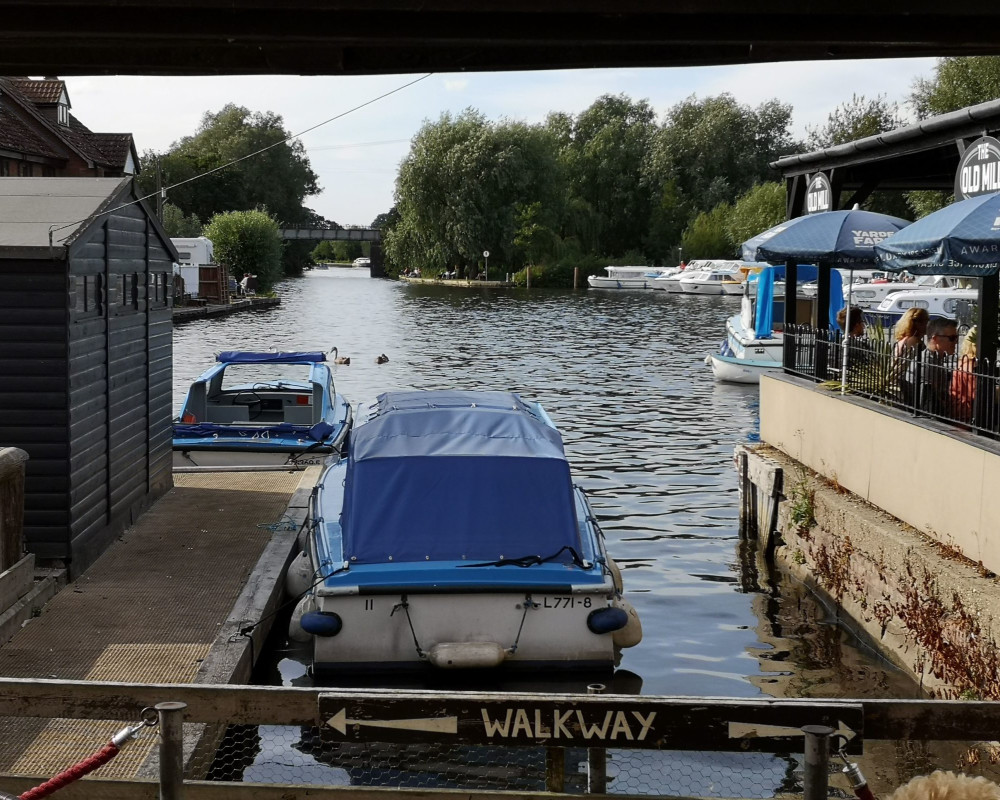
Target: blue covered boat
261, 409
452, 536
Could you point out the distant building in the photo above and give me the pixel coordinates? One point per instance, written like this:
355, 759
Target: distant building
40, 138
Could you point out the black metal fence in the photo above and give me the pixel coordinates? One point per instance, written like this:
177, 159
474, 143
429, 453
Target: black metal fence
958, 389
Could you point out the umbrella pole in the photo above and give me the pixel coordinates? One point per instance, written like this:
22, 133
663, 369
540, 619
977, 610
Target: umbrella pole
843, 339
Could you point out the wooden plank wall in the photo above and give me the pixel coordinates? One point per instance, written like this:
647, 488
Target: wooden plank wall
120, 354
33, 387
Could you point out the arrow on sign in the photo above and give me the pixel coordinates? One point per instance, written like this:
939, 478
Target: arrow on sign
746, 730
339, 723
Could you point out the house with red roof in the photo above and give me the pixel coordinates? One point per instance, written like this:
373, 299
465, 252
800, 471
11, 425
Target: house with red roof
39, 137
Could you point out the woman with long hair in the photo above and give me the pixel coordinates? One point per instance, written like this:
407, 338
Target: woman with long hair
910, 332
963, 382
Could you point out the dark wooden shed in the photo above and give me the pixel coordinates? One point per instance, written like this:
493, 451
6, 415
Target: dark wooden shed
85, 358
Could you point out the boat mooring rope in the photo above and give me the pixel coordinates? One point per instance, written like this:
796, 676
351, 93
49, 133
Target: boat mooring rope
528, 603
405, 606
149, 719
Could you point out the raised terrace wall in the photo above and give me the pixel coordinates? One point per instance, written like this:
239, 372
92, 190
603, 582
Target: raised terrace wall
943, 481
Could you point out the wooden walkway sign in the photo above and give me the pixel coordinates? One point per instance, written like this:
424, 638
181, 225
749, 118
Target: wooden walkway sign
632, 722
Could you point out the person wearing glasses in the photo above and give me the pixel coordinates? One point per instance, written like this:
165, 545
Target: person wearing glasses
935, 390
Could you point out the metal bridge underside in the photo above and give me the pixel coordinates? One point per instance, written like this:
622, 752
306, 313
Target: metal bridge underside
356, 37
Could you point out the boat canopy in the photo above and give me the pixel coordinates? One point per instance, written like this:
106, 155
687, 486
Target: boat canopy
453, 476
247, 357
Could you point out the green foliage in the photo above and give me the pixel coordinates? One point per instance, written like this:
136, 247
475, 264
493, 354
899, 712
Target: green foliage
559, 275
924, 202
957, 82
761, 208
279, 178
802, 511
324, 251
855, 119
708, 235
247, 241
179, 226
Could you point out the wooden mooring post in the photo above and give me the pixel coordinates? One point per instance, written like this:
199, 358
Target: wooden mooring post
12, 461
576, 277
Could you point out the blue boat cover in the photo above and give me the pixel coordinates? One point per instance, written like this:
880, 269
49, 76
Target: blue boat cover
832, 238
246, 357
452, 476
764, 321
960, 239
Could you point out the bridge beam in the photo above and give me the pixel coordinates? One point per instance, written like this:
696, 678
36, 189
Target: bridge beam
333, 234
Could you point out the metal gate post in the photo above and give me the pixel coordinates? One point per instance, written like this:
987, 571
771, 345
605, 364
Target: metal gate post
597, 758
816, 768
171, 750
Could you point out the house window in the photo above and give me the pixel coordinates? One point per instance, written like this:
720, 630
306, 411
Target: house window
63, 114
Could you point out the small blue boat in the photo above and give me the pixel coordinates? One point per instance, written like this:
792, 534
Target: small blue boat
261, 409
452, 536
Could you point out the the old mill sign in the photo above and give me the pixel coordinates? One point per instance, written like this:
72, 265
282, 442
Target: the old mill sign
979, 170
577, 720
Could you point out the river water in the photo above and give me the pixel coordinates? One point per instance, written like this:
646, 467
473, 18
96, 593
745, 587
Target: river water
649, 435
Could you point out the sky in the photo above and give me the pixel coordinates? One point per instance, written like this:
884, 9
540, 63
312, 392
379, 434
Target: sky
356, 156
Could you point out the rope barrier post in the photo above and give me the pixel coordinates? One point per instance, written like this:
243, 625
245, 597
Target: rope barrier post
171, 750
816, 766
597, 758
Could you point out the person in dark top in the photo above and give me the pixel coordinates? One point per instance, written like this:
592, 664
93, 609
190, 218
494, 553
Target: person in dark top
935, 381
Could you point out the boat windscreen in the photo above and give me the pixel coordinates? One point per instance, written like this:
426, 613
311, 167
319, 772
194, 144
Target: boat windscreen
246, 357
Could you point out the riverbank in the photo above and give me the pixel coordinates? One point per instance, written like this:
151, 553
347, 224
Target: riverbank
929, 609
460, 282
188, 313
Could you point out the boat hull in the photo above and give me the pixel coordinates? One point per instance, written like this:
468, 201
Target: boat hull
244, 457
693, 287
727, 369
597, 282
463, 631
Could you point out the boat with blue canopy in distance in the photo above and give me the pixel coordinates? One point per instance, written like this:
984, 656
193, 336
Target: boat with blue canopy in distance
261, 409
452, 536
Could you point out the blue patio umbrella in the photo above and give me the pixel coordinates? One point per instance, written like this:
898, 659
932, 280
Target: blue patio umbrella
833, 238
960, 239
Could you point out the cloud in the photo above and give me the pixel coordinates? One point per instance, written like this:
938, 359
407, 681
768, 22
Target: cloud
456, 85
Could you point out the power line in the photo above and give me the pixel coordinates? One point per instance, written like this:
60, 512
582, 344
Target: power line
53, 229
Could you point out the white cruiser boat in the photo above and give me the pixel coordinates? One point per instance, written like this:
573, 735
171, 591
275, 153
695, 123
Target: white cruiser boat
672, 283
940, 303
453, 536
711, 280
870, 295
751, 348
662, 281
625, 278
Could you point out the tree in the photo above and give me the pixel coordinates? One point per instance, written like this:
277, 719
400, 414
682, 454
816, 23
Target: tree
761, 208
708, 236
324, 252
459, 188
855, 119
604, 153
179, 226
280, 178
247, 241
957, 82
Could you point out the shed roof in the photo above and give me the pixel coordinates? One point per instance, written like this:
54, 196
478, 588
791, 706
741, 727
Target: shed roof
31, 207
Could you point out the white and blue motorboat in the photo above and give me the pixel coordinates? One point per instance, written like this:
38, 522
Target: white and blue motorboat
452, 536
940, 303
626, 278
751, 348
261, 409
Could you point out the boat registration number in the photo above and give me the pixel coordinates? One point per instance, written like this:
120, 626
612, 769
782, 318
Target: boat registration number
566, 602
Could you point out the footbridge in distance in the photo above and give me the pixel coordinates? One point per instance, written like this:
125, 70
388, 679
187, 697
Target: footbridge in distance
342, 233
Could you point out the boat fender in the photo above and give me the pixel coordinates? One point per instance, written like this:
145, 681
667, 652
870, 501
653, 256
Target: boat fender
466, 655
607, 620
322, 623
616, 575
295, 631
299, 577
631, 634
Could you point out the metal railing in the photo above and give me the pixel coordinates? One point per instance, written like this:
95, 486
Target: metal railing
955, 389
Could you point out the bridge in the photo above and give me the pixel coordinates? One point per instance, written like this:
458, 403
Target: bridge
350, 233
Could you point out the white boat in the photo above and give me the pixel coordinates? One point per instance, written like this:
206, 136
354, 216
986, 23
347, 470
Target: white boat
745, 355
662, 281
871, 294
711, 280
940, 303
672, 283
625, 278
452, 536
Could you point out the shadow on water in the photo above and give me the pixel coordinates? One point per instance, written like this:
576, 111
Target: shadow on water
649, 436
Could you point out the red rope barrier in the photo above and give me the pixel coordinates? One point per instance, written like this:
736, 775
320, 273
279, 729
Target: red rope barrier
74, 773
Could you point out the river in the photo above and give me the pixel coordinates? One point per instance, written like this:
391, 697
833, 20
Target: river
649, 435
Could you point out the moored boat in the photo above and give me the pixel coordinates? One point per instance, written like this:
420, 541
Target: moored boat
940, 303
625, 278
252, 409
452, 536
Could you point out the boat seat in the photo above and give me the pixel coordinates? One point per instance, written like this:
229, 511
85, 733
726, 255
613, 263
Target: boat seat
299, 415
228, 414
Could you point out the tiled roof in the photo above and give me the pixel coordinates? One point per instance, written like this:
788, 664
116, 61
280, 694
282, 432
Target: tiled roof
115, 146
15, 135
47, 91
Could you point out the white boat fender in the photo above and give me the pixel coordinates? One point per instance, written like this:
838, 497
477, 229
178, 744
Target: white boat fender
295, 630
631, 634
466, 655
616, 575
299, 577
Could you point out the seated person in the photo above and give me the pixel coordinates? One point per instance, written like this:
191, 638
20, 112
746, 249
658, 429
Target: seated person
857, 324
935, 380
